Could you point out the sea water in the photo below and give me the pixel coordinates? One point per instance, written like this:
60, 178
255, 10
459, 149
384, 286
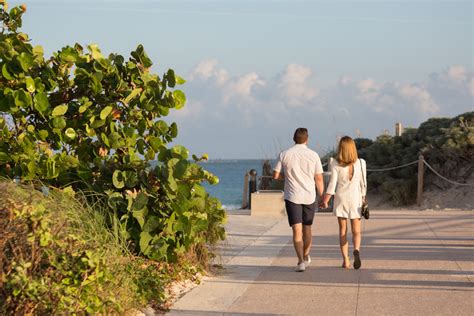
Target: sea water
231, 175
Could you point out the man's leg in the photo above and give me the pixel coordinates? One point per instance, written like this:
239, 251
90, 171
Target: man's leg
308, 217
298, 240
307, 240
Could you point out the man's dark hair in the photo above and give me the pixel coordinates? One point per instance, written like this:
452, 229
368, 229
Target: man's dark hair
301, 135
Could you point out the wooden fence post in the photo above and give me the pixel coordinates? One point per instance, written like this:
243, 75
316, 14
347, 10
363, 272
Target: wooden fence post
421, 171
246, 191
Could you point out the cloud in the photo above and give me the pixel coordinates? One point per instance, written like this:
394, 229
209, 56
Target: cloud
230, 115
295, 85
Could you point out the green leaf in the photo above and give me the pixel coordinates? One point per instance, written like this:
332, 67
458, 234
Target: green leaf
131, 178
171, 78
38, 51
179, 80
118, 179
114, 200
179, 151
70, 133
132, 95
60, 110
152, 223
30, 84
95, 51
105, 112
43, 134
140, 216
162, 126
59, 122
140, 55
179, 99
41, 102
145, 239
5, 73
155, 143
96, 84
26, 61
22, 98
4, 157
173, 130
140, 201
97, 123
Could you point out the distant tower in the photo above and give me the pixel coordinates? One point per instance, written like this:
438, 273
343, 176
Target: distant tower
398, 129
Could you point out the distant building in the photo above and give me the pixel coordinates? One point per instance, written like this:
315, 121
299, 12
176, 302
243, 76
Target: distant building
398, 129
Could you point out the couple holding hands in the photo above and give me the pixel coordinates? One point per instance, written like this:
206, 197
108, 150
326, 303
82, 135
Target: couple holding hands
302, 171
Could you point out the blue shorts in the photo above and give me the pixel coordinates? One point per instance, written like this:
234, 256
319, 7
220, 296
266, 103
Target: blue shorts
300, 213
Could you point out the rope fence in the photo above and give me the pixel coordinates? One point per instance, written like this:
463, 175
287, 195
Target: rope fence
444, 178
421, 170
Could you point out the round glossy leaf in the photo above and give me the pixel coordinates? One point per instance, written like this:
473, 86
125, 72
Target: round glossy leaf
179, 99
105, 112
70, 133
5, 73
43, 134
179, 151
155, 143
41, 102
162, 127
30, 84
118, 179
60, 110
59, 122
22, 98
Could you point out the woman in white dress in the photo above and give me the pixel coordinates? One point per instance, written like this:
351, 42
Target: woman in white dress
347, 184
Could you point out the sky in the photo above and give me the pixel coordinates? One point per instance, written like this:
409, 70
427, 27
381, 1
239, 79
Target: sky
257, 70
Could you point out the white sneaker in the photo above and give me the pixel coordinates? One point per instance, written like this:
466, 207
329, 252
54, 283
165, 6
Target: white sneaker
300, 267
307, 261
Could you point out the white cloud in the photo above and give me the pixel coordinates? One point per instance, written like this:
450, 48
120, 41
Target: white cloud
295, 85
204, 69
242, 86
248, 111
457, 73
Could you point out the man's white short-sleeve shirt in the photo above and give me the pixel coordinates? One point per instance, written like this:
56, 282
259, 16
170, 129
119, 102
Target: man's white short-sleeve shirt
299, 165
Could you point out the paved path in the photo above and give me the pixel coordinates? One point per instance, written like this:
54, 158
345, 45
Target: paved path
413, 263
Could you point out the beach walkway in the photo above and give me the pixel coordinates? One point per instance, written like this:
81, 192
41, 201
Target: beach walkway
413, 263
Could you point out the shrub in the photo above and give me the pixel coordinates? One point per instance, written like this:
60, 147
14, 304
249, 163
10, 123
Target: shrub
94, 122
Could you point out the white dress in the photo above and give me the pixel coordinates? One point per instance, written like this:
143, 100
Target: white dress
347, 192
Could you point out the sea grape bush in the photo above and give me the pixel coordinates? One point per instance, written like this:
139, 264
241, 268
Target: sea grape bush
96, 122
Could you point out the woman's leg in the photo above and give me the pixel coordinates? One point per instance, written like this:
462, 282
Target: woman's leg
343, 240
356, 237
355, 227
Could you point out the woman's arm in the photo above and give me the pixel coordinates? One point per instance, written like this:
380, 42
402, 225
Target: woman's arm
331, 189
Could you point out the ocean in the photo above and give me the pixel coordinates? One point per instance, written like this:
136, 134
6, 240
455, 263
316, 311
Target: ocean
231, 179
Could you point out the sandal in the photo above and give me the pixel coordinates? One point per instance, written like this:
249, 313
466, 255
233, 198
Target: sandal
357, 262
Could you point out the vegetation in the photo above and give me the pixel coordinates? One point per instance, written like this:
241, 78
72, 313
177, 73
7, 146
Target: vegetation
446, 144
93, 124
58, 257
79, 118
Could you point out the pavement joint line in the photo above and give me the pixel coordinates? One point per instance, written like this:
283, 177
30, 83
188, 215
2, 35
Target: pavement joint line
446, 246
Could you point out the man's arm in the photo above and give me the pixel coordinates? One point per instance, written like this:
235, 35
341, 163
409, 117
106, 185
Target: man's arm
277, 175
319, 183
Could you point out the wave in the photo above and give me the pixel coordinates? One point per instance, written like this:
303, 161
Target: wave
231, 207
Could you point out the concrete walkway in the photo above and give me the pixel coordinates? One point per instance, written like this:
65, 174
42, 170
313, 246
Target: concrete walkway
413, 263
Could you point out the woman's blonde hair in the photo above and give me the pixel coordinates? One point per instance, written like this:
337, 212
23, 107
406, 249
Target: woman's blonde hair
346, 152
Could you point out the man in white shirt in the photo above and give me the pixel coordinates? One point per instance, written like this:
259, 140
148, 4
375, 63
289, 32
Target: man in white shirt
302, 171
